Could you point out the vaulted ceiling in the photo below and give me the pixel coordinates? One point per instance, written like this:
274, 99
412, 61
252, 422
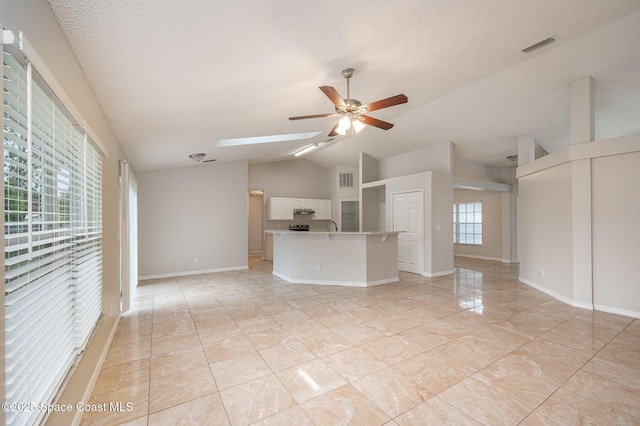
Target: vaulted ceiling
175, 77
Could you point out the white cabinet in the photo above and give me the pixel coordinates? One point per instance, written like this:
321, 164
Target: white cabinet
326, 209
316, 205
322, 209
279, 208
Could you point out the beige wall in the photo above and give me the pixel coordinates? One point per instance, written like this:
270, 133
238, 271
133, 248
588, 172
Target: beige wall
193, 219
491, 224
616, 233
435, 158
297, 178
36, 20
545, 230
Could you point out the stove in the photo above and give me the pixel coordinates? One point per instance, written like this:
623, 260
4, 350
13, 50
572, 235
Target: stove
298, 227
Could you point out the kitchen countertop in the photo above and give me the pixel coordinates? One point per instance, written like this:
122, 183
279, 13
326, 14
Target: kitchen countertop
330, 233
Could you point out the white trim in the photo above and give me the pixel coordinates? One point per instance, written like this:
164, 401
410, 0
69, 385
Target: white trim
184, 274
555, 295
587, 150
479, 185
438, 274
497, 259
339, 283
506, 261
617, 311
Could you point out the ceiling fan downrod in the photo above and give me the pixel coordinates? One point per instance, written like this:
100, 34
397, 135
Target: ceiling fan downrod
348, 73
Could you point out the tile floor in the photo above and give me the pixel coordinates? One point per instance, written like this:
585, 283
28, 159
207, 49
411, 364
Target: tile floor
477, 347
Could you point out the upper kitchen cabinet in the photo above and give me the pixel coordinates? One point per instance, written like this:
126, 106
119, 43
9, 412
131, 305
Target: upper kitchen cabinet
322, 209
280, 208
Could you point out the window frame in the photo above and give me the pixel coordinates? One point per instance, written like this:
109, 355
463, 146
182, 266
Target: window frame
461, 237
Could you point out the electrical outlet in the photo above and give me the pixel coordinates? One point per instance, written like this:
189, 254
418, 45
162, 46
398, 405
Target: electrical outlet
195, 260
318, 267
542, 272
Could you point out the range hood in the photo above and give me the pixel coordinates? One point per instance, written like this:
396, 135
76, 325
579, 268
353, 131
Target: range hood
303, 211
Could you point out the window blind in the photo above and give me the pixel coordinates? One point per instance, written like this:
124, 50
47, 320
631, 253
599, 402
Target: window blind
53, 238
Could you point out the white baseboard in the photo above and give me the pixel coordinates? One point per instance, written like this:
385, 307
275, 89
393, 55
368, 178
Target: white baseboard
340, 283
617, 311
437, 274
497, 259
184, 274
555, 295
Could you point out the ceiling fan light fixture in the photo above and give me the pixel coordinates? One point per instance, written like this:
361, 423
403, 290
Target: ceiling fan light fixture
357, 125
344, 125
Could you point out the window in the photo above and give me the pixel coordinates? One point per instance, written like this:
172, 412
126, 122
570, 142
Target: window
467, 223
53, 238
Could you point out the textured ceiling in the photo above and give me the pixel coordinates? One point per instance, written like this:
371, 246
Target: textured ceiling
174, 77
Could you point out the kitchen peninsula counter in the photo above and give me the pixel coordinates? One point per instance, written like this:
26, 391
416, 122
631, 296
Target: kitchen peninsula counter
357, 259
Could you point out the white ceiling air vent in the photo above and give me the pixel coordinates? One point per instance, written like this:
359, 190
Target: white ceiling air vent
345, 180
538, 45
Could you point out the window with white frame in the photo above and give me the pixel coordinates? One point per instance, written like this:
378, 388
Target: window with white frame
467, 223
53, 238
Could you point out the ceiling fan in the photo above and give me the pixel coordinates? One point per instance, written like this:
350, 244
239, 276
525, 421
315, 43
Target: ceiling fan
352, 111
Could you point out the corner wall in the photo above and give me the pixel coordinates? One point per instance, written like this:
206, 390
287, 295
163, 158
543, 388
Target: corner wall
577, 220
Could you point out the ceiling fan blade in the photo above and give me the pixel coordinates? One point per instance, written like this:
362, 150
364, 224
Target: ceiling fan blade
333, 95
302, 117
386, 103
375, 122
333, 131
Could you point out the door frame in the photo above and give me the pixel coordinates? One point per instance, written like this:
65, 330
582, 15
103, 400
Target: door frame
420, 221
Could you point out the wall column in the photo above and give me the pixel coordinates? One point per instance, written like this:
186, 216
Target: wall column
582, 236
526, 149
582, 131
582, 110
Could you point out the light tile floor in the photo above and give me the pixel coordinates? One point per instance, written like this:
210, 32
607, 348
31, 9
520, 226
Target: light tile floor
476, 347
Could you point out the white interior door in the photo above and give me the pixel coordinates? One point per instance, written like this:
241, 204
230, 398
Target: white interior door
408, 216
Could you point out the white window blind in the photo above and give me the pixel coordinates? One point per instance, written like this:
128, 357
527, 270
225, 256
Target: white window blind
53, 238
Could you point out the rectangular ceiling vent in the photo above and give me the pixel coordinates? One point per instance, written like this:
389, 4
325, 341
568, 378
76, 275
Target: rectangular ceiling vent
538, 45
345, 180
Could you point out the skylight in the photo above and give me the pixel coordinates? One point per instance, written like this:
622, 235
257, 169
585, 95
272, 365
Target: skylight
266, 139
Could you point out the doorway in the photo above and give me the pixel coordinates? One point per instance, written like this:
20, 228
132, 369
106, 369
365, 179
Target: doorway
256, 221
408, 216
